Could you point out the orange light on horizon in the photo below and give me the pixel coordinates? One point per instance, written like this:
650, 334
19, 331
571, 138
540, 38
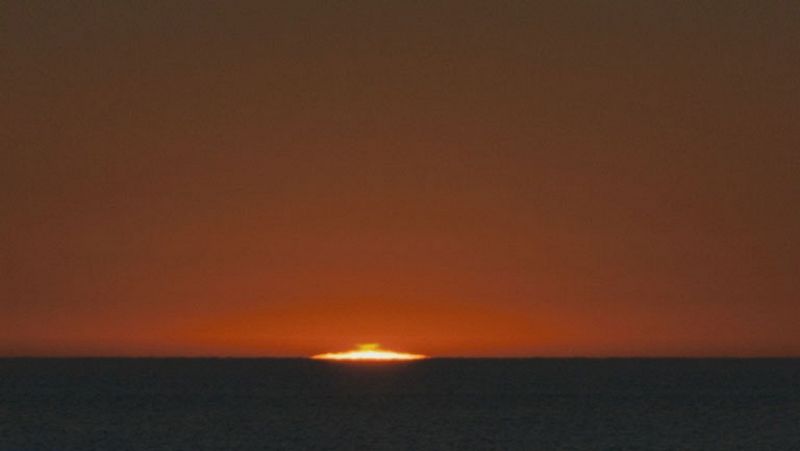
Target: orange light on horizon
369, 352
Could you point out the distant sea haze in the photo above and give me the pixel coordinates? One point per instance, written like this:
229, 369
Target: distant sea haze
436, 404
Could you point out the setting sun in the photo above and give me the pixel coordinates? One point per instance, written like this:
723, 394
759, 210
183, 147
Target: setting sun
369, 352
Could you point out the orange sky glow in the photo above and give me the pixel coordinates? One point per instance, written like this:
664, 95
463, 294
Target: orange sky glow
290, 178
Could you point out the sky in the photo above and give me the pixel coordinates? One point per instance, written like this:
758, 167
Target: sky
453, 178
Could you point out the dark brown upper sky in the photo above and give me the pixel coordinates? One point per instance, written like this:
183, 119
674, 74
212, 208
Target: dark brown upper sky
446, 177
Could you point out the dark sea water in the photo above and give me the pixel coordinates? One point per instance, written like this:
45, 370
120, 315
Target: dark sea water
439, 404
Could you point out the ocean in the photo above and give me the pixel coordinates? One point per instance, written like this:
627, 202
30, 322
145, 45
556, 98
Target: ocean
436, 404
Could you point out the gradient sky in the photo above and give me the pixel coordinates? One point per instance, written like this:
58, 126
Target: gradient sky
573, 178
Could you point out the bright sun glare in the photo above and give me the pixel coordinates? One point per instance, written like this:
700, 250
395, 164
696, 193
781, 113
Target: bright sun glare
369, 352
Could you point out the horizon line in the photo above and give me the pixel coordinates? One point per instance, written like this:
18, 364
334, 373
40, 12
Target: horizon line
442, 357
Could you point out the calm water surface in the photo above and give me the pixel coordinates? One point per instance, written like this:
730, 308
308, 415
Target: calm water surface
438, 404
